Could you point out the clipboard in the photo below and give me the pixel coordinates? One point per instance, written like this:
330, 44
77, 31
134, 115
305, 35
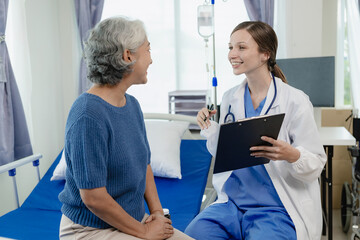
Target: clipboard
236, 138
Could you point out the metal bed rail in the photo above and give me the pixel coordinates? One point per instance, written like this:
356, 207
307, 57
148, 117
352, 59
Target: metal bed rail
168, 116
11, 169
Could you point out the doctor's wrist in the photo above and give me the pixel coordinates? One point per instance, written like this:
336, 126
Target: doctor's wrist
295, 155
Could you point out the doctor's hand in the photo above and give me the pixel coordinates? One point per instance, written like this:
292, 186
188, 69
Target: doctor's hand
203, 117
279, 150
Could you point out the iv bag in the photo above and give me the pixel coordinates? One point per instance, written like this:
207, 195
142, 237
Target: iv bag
206, 20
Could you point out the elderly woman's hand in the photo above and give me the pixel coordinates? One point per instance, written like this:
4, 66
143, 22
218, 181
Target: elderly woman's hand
154, 215
158, 228
203, 117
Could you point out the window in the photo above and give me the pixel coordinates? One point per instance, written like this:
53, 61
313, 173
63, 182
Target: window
343, 85
178, 51
347, 95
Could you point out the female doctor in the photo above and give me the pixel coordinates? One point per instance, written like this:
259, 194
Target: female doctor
279, 200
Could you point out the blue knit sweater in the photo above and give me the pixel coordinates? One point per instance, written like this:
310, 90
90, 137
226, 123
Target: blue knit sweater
106, 146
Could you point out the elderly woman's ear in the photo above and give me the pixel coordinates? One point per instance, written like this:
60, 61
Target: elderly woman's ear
127, 56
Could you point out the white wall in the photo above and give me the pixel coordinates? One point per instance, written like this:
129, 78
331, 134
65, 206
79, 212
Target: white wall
54, 53
329, 33
310, 28
311, 31
304, 28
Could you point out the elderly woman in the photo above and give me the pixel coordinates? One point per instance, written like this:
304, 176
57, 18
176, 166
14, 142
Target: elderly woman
107, 152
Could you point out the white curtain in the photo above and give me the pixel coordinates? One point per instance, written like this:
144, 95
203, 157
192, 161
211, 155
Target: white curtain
280, 24
17, 42
353, 27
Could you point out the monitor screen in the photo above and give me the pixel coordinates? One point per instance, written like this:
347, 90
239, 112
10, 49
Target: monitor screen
315, 76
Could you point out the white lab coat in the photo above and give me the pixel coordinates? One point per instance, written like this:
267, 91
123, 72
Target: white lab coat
296, 183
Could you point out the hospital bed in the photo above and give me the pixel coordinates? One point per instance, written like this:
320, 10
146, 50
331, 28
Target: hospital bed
39, 216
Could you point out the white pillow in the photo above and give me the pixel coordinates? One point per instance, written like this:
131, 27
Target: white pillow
59, 172
164, 139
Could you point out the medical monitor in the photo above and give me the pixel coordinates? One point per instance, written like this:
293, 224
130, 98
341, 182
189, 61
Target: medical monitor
314, 75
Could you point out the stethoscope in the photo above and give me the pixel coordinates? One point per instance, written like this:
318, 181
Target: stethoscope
230, 117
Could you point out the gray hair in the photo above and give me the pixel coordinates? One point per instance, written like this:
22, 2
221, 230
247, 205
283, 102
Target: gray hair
103, 51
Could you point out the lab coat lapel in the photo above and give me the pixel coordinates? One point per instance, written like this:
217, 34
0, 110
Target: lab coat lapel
237, 102
238, 109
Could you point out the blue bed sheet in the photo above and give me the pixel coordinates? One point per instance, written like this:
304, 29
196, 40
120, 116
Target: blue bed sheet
39, 216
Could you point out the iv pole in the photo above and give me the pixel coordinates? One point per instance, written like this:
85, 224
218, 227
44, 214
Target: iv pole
214, 79
206, 20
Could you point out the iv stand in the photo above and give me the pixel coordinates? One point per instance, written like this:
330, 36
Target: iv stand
214, 79
204, 22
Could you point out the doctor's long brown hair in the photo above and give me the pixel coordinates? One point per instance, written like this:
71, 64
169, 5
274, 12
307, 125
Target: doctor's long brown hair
265, 37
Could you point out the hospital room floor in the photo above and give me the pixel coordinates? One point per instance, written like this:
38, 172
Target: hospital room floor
338, 234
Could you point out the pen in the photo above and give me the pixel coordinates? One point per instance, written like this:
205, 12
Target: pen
210, 109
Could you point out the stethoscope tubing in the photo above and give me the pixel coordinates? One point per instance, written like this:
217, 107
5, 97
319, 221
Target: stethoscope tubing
275, 93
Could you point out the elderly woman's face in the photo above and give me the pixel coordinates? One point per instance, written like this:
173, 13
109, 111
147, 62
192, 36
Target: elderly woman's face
143, 61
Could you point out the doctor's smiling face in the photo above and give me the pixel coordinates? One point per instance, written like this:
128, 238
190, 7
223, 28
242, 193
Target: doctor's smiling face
244, 55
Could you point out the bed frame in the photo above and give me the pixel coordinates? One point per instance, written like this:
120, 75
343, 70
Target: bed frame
39, 216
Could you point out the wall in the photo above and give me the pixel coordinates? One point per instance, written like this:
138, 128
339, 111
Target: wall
329, 33
303, 28
310, 27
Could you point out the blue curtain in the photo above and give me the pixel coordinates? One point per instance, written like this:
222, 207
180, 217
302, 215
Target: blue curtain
88, 14
260, 10
14, 135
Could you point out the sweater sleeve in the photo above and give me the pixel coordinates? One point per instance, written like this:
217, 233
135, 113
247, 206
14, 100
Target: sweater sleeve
86, 145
